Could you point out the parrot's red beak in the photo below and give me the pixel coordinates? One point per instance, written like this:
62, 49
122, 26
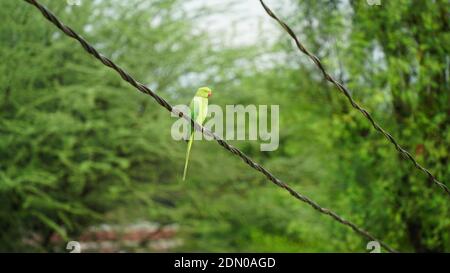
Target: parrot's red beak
209, 94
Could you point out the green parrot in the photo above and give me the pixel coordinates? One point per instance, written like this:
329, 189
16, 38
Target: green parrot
199, 109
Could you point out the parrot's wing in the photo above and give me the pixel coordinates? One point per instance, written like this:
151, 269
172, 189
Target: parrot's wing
195, 110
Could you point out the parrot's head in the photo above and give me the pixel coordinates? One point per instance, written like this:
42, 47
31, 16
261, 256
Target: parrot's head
204, 92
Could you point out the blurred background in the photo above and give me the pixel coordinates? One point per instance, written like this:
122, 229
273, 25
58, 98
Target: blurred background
84, 157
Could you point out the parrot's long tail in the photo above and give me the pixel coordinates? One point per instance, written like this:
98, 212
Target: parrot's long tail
188, 151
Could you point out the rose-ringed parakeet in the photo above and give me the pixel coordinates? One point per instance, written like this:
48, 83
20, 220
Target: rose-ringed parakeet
199, 110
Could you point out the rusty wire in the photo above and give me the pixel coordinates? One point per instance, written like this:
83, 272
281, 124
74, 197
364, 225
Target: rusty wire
404, 153
144, 89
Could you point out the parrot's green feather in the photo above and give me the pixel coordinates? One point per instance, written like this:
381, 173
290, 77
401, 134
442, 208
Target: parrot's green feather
199, 109
194, 108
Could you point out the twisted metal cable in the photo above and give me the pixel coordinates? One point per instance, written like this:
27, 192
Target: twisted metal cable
142, 88
355, 105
